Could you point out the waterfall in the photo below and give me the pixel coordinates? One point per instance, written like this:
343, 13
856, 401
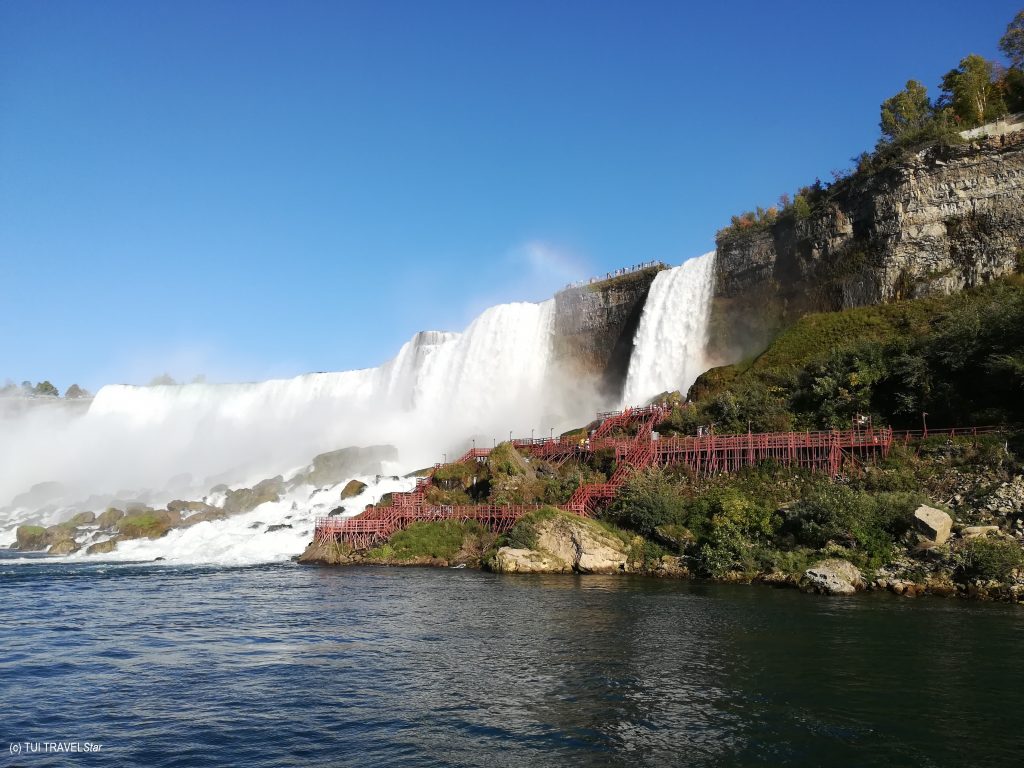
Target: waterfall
670, 343
439, 391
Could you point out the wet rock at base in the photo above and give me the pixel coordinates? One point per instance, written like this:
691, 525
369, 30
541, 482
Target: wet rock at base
188, 506
326, 553
352, 488
210, 514
102, 547
64, 546
109, 518
933, 523
247, 499
151, 524
832, 577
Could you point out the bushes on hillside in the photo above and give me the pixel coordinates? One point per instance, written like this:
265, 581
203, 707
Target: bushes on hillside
958, 358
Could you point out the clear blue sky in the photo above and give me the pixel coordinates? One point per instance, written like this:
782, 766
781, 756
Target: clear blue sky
252, 189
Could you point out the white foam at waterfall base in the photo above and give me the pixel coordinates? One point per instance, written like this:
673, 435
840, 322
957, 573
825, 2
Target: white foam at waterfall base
670, 345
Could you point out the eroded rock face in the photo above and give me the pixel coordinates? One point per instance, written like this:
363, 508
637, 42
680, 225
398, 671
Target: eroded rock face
595, 325
833, 577
933, 523
943, 220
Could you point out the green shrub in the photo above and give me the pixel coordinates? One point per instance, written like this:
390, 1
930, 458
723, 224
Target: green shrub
989, 559
647, 500
864, 523
505, 460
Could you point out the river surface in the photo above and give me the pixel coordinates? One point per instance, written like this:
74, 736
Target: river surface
286, 665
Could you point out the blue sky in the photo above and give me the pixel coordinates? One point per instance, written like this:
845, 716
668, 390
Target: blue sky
252, 189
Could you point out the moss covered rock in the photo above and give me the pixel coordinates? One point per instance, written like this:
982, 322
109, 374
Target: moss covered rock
147, 525
31, 538
109, 518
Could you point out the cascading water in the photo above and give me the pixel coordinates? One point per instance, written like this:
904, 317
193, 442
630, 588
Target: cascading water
669, 349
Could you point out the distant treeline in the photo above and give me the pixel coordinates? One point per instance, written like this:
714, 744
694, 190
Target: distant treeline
976, 92
42, 389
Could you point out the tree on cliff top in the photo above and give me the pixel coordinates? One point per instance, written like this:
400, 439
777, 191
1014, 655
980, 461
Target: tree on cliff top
907, 111
1012, 43
971, 92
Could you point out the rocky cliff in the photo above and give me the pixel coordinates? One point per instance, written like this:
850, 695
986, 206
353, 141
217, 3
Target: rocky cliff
941, 220
595, 325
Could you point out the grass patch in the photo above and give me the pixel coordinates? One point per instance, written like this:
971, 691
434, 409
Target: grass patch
441, 540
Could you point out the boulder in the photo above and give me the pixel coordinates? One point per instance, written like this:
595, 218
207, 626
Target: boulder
31, 538
933, 523
566, 543
188, 506
352, 488
832, 577
975, 531
247, 499
109, 518
102, 547
202, 517
147, 525
278, 527
65, 546
83, 518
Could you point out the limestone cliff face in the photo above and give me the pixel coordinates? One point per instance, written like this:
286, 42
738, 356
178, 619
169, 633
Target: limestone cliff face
595, 325
943, 220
